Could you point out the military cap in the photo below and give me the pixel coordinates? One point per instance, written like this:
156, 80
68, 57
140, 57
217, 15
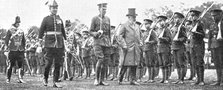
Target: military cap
138, 23
112, 26
195, 12
131, 12
162, 17
84, 31
215, 11
67, 23
78, 34
104, 5
180, 15
148, 20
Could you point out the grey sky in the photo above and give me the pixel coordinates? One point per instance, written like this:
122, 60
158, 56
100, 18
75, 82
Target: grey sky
33, 11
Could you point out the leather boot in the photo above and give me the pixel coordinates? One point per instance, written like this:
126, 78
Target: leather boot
97, 75
164, 75
198, 77
201, 70
179, 75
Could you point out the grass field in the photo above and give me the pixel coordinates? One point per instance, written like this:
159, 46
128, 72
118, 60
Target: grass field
35, 83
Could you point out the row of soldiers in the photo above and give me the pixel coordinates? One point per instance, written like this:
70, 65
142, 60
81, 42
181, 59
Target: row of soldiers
160, 45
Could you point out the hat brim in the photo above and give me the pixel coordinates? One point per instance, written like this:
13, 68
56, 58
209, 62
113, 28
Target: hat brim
131, 15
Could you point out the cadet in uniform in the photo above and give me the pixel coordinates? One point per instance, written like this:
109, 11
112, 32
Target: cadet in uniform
149, 49
15, 42
215, 44
86, 50
188, 26
114, 54
197, 47
163, 47
178, 47
100, 30
53, 28
67, 73
130, 36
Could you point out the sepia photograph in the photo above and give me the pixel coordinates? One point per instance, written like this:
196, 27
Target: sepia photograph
111, 45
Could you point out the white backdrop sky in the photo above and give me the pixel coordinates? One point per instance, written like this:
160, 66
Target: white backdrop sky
33, 11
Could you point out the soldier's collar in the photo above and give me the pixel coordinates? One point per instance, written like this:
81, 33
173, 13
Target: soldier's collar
53, 15
101, 16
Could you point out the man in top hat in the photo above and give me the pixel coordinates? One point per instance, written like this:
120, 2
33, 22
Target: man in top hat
149, 49
215, 44
15, 43
129, 33
53, 29
100, 30
197, 46
178, 46
163, 47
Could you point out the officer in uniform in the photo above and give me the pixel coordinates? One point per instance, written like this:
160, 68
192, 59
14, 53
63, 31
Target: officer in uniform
197, 46
15, 43
215, 44
130, 35
100, 30
163, 47
149, 49
53, 29
178, 47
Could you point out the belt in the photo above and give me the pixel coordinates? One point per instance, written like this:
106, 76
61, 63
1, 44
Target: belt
52, 33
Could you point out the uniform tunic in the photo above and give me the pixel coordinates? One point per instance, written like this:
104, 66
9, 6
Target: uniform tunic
150, 49
216, 46
178, 47
163, 47
197, 46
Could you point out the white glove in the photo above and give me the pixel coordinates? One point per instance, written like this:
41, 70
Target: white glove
100, 31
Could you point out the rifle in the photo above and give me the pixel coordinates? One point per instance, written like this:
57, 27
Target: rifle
200, 17
179, 28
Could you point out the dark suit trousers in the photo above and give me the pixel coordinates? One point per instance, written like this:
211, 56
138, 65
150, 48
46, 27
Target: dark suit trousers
132, 73
53, 56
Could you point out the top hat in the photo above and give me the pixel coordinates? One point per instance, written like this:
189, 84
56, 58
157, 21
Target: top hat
131, 12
